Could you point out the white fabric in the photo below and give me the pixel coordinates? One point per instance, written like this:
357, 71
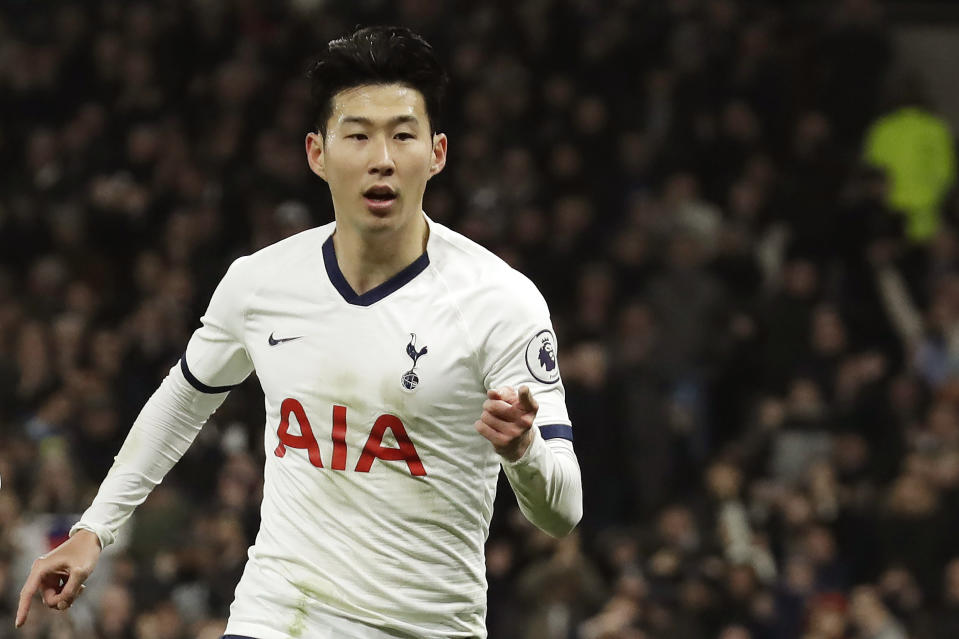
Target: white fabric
160, 435
547, 484
392, 543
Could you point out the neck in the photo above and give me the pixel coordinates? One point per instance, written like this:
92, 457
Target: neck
369, 259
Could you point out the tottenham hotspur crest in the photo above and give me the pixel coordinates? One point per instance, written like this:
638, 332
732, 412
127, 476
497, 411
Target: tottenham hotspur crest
410, 379
541, 357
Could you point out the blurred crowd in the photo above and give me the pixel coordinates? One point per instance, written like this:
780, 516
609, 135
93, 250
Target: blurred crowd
741, 213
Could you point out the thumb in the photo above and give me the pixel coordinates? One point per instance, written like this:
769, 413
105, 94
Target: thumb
526, 401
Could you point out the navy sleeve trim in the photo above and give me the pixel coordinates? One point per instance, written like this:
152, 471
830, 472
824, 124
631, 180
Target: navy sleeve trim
200, 386
552, 431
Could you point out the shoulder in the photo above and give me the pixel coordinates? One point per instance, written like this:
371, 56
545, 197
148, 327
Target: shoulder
476, 276
279, 256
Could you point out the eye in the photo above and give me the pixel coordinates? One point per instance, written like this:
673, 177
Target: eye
404, 136
357, 136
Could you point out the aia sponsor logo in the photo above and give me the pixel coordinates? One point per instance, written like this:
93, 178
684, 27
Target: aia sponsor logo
291, 410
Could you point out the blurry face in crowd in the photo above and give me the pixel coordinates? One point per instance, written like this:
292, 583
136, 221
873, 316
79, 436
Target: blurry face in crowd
866, 606
377, 156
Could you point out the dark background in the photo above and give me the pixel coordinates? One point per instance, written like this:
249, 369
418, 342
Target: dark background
760, 359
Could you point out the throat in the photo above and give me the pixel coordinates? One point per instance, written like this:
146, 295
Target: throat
368, 262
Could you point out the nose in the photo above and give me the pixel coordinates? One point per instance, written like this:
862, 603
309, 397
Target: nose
381, 159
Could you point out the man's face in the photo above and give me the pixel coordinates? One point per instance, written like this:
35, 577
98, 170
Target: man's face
377, 156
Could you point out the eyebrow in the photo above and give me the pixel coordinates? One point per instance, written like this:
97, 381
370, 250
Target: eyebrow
400, 119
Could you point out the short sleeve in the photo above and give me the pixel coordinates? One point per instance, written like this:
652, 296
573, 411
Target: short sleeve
216, 359
519, 348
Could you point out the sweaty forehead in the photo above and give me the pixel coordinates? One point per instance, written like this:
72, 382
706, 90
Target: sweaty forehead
379, 103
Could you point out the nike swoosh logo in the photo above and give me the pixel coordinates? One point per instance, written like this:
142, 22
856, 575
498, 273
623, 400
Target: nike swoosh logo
274, 342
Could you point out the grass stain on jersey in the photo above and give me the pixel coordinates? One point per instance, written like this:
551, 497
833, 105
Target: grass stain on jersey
299, 619
346, 388
392, 396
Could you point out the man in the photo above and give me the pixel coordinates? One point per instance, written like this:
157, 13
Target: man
378, 341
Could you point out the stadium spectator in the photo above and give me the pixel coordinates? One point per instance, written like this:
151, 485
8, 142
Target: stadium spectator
917, 150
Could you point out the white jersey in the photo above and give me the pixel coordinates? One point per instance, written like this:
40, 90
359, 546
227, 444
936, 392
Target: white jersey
378, 490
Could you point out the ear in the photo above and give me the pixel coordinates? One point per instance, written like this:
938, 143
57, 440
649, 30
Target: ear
315, 156
439, 153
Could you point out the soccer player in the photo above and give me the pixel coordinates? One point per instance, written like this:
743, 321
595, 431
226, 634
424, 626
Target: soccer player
402, 365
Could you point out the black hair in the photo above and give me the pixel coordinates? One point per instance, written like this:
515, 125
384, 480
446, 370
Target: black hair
377, 55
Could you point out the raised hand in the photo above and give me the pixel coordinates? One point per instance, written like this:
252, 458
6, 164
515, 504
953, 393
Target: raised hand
507, 420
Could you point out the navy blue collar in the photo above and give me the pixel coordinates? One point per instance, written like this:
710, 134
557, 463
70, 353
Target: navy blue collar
377, 293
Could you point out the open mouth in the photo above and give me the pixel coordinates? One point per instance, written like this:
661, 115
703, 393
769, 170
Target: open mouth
380, 194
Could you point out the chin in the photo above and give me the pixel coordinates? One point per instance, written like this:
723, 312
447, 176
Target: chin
379, 226
385, 220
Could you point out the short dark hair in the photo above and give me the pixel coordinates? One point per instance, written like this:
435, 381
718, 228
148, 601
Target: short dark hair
377, 55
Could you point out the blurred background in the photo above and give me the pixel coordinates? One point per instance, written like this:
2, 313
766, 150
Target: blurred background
743, 215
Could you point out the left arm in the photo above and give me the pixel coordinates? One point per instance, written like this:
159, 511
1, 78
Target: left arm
544, 474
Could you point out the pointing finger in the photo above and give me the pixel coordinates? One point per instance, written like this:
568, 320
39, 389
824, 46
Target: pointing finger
526, 401
26, 595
